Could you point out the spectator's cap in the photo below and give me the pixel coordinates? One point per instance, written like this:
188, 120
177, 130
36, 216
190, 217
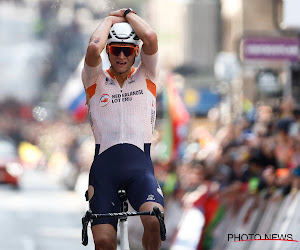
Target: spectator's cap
282, 172
284, 124
296, 171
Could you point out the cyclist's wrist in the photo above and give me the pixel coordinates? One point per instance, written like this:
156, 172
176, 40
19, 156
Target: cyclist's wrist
109, 19
116, 19
128, 11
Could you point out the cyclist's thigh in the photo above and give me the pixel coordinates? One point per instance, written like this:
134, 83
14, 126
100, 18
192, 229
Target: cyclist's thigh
104, 200
105, 236
103, 193
145, 189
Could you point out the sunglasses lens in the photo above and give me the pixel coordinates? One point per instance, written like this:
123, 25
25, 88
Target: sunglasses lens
115, 50
128, 51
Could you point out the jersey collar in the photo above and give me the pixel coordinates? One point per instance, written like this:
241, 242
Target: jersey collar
112, 76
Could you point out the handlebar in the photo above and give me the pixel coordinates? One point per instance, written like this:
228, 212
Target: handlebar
85, 222
161, 219
156, 212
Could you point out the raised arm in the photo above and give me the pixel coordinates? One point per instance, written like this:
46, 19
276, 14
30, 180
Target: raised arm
98, 40
142, 29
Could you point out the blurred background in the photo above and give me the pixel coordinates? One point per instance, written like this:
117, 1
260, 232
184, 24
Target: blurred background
226, 148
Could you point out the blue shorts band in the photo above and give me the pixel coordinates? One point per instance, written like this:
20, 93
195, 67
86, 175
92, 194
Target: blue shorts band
123, 166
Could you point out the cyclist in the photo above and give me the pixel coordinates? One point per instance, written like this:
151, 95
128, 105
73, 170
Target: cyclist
122, 110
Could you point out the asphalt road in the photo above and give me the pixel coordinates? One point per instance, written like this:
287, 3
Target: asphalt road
42, 215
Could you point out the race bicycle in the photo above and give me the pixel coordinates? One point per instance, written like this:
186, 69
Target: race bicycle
122, 216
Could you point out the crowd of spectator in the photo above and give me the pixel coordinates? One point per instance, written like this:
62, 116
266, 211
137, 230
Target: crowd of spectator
48, 139
256, 155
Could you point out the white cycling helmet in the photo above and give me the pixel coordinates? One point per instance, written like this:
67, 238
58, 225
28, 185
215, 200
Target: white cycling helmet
122, 33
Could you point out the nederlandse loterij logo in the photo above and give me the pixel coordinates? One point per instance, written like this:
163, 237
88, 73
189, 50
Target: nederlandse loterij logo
253, 237
104, 100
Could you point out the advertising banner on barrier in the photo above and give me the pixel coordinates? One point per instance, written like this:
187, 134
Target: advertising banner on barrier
271, 48
273, 225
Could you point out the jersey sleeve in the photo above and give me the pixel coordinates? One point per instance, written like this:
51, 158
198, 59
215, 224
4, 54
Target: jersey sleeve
149, 63
90, 75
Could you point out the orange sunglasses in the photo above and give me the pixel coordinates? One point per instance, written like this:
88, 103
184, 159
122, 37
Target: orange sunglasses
126, 49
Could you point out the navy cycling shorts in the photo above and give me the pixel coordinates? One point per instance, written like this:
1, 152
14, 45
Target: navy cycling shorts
126, 167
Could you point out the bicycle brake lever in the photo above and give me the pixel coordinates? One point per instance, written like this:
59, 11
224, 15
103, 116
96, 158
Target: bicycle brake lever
85, 221
160, 216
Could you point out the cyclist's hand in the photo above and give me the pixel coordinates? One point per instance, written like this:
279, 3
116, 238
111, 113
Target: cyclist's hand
118, 13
